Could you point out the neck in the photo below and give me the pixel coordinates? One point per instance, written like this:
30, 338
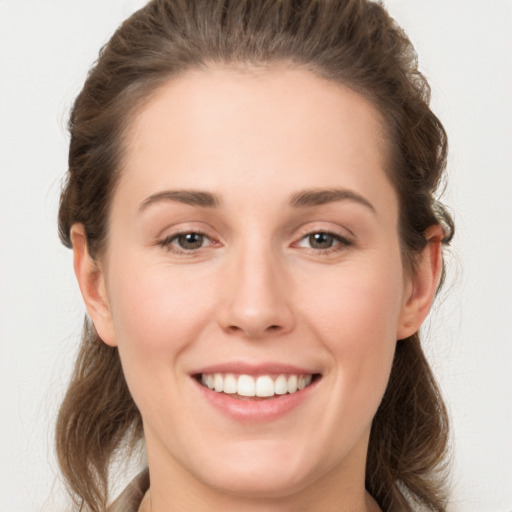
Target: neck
370, 505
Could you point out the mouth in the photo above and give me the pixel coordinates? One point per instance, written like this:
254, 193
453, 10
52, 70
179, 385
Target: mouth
256, 387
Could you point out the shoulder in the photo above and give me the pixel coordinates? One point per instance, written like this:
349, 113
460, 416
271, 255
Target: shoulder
130, 499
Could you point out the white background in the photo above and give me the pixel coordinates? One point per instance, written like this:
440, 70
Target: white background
465, 49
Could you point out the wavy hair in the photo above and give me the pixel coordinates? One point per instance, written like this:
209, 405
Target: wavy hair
352, 42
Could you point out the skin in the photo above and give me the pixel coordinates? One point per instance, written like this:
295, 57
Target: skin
257, 290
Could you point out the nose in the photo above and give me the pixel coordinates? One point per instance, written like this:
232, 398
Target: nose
257, 299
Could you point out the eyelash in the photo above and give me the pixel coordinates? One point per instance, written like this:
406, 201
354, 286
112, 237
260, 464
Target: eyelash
167, 242
339, 242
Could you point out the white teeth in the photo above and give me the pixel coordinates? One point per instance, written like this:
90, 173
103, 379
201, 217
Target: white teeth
246, 386
230, 385
219, 382
262, 386
281, 385
304, 380
292, 384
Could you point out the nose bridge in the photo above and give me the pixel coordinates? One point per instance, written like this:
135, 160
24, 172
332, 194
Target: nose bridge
257, 303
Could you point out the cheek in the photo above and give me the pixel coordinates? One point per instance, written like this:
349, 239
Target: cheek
157, 313
356, 317
358, 305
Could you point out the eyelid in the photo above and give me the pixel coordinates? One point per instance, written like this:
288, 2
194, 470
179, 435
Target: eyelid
336, 236
182, 227
342, 241
330, 228
166, 242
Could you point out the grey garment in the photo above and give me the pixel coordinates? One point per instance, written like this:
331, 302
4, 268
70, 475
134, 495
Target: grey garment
130, 499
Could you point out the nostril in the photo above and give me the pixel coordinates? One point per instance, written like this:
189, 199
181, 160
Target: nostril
271, 328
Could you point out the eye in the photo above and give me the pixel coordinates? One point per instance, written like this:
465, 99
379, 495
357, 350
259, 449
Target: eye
190, 241
323, 241
184, 242
320, 240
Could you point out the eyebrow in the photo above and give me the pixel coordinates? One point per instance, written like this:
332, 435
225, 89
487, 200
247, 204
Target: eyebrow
191, 197
318, 197
302, 199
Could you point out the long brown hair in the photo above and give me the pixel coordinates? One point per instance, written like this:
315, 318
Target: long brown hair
352, 42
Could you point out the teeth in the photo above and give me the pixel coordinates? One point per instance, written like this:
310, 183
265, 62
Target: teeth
230, 384
281, 385
218, 382
262, 386
292, 384
246, 385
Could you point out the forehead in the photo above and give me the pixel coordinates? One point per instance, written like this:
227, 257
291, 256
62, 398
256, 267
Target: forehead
253, 128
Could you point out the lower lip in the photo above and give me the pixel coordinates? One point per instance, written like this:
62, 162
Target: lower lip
256, 411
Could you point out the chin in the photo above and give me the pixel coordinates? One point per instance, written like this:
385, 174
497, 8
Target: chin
259, 483
257, 476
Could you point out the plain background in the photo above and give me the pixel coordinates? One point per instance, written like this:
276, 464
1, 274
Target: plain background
464, 49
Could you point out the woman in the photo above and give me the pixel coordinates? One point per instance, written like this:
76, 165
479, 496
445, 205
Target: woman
250, 203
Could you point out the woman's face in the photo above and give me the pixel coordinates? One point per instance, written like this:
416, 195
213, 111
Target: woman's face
253, 246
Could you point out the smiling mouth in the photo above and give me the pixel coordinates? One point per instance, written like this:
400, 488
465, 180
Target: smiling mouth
247, 387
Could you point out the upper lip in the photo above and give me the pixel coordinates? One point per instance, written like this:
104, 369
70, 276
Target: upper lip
246, 368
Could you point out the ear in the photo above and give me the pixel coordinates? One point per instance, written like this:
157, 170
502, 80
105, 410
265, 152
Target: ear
422, 284
91, 280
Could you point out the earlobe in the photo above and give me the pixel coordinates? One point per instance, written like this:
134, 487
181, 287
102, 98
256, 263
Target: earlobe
424, 284
91, 281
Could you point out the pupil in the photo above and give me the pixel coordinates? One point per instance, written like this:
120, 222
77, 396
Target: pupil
191, 241
320, 240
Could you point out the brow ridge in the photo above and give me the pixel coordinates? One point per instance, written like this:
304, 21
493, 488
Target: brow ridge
190, 197
301, 199
318, 197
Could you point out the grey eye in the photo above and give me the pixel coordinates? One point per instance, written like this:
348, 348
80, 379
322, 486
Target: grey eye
321, 240
190, 241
